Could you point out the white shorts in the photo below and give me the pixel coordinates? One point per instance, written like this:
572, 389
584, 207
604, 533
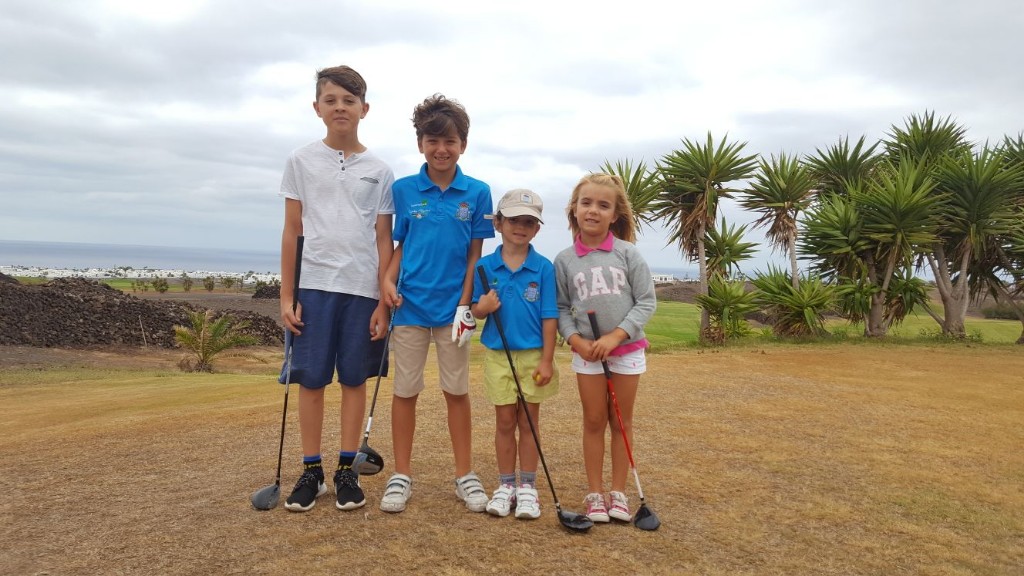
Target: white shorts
634, 362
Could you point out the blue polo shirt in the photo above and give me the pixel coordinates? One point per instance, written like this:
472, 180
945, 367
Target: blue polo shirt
527, 295
435, 229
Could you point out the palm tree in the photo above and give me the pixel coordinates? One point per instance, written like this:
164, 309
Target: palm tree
840, 167
781, 190
925, 139
869, 237
725, 249
641, 187
899, 217
980, 211
207, 337
693, 179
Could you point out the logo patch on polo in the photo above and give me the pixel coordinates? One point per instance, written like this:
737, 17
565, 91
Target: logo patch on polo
463, 212
532, 292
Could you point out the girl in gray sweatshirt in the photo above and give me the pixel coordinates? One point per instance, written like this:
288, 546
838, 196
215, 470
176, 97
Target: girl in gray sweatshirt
604, 273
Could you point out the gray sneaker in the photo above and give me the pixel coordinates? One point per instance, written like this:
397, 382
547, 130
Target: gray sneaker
471, 491
397, 492
502, 501
527, 505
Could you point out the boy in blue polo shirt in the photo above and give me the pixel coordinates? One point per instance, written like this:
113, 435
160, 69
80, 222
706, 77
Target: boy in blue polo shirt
338, 195
523, 292
440, 229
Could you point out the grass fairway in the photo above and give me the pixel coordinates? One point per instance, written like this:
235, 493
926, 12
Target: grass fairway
763, 459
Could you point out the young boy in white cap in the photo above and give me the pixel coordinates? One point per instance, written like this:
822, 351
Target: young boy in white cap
522, 291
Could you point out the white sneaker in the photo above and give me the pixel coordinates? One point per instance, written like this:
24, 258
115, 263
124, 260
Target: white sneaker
471, 491
501, 502
619, 509
527, 505
397, 492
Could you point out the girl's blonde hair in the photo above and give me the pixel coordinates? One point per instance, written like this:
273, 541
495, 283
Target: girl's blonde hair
623, 228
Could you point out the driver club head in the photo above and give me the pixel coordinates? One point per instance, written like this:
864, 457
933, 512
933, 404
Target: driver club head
646, 519
367, 462
266, 498
574, 522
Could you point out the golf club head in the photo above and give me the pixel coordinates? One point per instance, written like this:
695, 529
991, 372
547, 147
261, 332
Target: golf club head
646, 519
266, 498
574, 522
367, 462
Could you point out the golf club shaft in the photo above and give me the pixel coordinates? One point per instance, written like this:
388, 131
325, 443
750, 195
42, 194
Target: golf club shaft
299, 241
380, 370
615, 405
519, 389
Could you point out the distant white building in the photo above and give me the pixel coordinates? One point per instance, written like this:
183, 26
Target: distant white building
663, 278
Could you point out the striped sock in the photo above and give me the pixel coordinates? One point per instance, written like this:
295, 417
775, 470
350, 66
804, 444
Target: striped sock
527, 478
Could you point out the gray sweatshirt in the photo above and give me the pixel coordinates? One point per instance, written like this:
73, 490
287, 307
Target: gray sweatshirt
617, 285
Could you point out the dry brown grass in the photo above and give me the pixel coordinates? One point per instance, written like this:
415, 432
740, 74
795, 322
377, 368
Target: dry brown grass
782, 460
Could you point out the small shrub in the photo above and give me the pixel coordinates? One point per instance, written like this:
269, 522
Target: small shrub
206, 338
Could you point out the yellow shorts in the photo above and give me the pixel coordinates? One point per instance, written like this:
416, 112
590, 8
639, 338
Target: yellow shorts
499, 385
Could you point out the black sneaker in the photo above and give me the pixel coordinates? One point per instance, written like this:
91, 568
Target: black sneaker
346, 484
309, 487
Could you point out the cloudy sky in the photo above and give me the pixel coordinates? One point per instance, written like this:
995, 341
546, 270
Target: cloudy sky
168, 123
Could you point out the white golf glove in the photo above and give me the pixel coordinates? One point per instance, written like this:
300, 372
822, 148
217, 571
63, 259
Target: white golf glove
463, 325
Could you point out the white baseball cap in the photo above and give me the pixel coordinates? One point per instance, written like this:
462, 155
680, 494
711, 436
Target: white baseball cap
520, 202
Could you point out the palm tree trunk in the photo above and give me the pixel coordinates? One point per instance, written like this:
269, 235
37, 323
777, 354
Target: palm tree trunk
793, 270
953, 295
702, 263
874, 326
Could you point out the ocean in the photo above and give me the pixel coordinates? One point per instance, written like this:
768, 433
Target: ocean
80, 256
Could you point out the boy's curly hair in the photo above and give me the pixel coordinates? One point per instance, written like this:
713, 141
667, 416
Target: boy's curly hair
343, 76
438, 115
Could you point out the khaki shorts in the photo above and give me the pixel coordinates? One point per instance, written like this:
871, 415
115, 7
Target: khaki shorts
411, 344
499, 385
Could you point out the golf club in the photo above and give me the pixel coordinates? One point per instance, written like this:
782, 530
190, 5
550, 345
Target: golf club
368, 462
645, 518
266, 498
571, 520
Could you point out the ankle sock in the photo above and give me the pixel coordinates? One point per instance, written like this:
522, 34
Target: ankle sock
527, 478
345, 459
507, 478
310, 462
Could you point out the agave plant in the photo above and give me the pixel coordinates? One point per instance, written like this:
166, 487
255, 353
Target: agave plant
854, 298
794, 311
727, 304
208, 337
906, 293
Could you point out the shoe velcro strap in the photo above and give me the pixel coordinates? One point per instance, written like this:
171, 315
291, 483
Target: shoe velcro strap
396, 486
472, 486
527, 496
